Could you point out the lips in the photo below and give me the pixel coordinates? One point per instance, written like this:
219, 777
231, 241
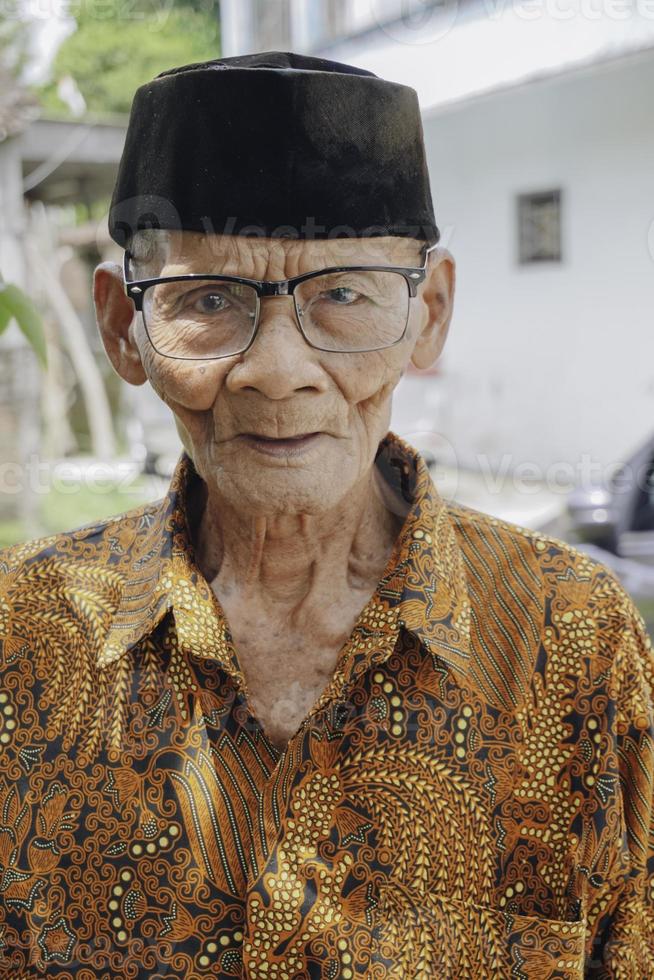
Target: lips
303, 435
288, 446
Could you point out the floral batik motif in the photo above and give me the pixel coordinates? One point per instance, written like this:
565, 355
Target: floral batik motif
469, 797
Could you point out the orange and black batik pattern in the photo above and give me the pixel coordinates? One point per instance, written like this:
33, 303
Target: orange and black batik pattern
470, 796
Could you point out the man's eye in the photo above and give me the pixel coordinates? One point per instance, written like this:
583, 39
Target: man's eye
211, 303
342, 295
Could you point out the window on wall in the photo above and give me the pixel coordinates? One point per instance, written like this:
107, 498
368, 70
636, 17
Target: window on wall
539, 227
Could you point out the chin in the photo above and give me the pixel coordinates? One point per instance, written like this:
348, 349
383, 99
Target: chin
283, 492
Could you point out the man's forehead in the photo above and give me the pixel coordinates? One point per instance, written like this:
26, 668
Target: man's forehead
197, 247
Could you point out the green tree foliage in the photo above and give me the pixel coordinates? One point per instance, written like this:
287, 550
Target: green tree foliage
120, 44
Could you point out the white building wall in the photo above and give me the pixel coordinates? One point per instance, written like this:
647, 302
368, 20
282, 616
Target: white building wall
548, 363
552, 361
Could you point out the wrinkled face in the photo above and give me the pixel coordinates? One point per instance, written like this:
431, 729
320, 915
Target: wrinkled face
240, 417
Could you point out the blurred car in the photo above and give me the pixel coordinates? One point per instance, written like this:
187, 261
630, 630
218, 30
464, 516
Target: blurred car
618, 516
615, 524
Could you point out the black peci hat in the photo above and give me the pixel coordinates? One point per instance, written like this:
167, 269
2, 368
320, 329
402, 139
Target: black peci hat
274, 144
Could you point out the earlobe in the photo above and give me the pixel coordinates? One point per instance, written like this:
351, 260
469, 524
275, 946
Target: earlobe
437, 294
114, 313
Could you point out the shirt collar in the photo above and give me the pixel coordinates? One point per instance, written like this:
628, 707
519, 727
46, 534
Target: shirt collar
424, 585
161, 574
435, 603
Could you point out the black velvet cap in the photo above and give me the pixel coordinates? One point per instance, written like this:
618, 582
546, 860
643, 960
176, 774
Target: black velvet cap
274, 144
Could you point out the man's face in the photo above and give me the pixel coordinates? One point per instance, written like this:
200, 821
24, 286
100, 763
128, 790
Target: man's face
229, 412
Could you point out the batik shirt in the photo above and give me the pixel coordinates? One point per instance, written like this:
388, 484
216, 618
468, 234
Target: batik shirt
469, 797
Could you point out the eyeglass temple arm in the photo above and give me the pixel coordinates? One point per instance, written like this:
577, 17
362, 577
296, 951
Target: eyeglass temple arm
427, 250
126, 257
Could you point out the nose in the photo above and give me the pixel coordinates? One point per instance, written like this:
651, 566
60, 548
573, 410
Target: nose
279, 362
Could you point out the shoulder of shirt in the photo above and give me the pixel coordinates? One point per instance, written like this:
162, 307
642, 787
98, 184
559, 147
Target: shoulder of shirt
556, 559
129, 523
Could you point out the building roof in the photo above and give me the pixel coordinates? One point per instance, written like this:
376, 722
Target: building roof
459, 51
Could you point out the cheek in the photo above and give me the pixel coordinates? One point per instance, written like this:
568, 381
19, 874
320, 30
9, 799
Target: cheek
192, 385
371, 378
185, 384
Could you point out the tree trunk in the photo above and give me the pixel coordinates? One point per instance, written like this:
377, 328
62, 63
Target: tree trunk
74, 336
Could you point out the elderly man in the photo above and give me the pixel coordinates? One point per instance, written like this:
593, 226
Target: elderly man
303, 717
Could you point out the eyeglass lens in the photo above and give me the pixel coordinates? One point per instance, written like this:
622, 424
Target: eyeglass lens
341, 311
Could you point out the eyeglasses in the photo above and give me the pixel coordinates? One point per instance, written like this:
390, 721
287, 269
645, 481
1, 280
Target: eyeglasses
341, 309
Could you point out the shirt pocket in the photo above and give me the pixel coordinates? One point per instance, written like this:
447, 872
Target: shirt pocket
461, 940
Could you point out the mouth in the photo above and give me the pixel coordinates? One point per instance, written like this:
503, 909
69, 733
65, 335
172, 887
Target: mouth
288, 446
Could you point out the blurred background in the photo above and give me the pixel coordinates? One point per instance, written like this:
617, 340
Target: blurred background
539, 123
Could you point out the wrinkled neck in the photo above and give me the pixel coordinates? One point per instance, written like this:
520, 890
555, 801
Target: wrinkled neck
280, 560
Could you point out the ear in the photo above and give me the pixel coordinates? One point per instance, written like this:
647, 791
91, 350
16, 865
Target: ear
115, 316
437, 295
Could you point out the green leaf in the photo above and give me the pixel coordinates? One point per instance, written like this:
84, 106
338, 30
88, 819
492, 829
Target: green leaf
5, 310
23, 311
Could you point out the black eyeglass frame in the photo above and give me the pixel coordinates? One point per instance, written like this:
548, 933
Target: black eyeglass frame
413, 276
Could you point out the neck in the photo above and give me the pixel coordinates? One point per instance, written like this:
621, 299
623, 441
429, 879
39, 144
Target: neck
282, 561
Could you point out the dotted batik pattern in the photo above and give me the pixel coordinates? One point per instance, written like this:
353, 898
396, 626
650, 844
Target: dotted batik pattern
469, 797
